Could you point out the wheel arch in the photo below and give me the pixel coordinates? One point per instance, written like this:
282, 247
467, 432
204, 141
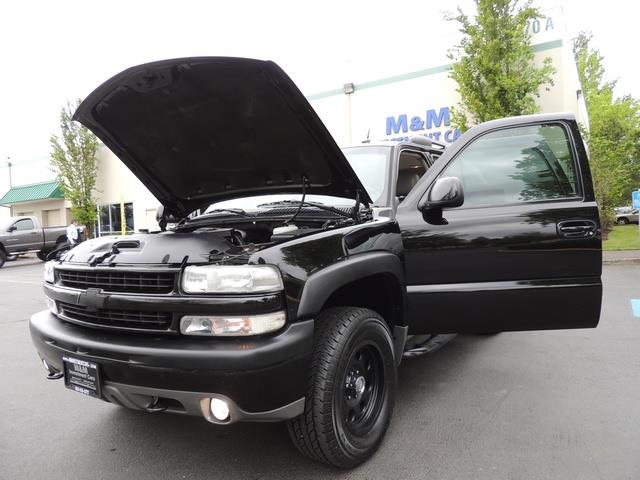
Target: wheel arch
372, 280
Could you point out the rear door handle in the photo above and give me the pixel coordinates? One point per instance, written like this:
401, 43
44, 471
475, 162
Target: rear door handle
576, 228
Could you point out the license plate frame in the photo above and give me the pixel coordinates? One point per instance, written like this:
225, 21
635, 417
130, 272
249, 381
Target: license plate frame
82, 376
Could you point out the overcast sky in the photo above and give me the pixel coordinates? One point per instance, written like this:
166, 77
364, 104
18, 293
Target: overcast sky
54, 51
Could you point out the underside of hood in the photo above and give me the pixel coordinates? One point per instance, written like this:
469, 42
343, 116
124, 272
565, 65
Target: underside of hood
200, 130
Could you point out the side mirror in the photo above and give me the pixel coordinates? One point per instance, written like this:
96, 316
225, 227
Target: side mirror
446, 192
12, 228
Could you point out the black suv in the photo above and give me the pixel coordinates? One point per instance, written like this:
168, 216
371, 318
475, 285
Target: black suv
295, 295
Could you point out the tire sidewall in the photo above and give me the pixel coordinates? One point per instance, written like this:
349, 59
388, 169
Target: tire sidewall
367, 330
3, 258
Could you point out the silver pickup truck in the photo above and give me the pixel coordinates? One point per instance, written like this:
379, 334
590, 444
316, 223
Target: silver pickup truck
25, 234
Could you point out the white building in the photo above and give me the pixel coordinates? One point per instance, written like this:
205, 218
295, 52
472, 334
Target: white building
402, 105
417, 102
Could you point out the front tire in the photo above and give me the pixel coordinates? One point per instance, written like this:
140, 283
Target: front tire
351, 388
623, 221
3, 258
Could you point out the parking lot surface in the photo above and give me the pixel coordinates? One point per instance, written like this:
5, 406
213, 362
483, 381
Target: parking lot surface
530, 405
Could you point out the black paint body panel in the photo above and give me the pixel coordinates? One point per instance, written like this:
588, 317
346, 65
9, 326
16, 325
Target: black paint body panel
483, 269
258, 374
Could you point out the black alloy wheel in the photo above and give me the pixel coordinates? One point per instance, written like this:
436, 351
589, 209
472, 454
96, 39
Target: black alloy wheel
351, 390
361, 398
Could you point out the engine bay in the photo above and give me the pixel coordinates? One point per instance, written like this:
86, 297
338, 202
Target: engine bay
228, 237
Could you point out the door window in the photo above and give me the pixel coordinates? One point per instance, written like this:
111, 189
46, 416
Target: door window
519, 164
26, 224
411, 166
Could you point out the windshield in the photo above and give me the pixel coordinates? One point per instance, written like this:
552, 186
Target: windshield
370, 164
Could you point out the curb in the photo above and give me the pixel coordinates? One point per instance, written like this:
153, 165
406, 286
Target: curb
621, 257
621, 261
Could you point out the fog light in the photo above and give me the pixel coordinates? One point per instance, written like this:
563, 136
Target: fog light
219, 409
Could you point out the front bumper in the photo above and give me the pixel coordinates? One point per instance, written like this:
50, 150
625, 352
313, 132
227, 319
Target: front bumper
262, 379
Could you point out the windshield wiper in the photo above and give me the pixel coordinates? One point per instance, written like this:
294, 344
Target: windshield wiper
300, 203
235, 211
188, 223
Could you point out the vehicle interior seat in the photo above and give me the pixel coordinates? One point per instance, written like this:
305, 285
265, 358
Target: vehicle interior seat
406, 181
410, 168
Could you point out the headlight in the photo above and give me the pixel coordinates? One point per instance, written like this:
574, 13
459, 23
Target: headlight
231, 279
232, 326
49, 275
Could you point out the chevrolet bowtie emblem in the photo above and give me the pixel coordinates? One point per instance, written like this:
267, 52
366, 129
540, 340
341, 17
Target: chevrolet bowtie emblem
93, 299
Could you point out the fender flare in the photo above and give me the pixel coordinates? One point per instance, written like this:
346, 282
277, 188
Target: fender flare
323, 283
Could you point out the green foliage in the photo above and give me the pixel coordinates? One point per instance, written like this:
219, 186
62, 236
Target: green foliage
73, 159
623, 237
613, 135
493, 65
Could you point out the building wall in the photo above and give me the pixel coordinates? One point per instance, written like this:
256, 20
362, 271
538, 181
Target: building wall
418, 102
50, 213
115, 183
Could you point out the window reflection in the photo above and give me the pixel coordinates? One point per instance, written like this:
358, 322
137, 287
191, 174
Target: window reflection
517, 165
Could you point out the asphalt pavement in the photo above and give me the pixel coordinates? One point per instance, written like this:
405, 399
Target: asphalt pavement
531, 405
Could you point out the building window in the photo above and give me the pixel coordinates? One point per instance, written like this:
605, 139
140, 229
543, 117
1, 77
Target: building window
109, 219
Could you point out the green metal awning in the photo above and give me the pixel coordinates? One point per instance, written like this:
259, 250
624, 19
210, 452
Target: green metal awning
32, 192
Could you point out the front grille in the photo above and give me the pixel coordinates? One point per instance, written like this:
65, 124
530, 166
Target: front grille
118, 280
117, 318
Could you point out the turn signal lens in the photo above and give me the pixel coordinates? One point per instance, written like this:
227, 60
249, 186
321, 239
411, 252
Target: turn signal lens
49, 274
232, 326
51, 304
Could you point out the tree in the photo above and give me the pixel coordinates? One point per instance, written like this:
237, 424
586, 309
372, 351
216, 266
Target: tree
613, 135
73, 159
493, 64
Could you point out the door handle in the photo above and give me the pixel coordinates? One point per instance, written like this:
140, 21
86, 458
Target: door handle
576, 228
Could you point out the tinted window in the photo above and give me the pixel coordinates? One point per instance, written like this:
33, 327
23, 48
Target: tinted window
26, 224
516, 165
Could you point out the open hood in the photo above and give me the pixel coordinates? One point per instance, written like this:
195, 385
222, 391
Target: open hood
200, 130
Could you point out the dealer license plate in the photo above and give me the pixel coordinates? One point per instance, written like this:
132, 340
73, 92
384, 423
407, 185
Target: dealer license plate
82, 376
